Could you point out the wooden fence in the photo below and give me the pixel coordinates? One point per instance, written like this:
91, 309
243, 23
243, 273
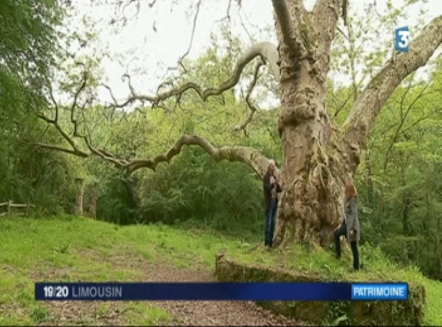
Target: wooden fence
9, 205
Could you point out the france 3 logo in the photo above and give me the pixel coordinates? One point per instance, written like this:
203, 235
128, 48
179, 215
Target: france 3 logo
402, 39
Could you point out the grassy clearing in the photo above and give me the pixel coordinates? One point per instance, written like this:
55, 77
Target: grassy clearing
58, 249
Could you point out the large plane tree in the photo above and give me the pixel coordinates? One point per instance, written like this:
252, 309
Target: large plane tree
318, 157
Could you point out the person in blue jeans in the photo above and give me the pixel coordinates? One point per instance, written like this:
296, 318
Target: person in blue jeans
271, 190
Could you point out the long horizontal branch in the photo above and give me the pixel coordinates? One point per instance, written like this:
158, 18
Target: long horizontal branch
372, 99
265, 49
250, 156
247, 155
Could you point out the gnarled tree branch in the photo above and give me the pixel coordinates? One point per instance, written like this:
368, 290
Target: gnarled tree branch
195, 18
249, 102
250, 156
253, 158
75, 150
368, 105
247, 155
264, 49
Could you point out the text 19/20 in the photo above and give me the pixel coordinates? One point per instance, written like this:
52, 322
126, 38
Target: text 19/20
56, 291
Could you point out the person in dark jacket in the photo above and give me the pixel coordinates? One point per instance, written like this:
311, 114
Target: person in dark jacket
350, 224
271, 190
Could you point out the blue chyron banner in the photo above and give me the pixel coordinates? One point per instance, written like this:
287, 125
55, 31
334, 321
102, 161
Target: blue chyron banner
220, 291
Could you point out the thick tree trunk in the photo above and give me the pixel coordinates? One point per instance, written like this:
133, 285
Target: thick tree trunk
314, 168
315, 164
368, 177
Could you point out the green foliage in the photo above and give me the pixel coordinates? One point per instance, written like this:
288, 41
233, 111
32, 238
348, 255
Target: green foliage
28, 41
398, 179
223, 196
400, 192
29, 174
28, 48
192, 190
116, 201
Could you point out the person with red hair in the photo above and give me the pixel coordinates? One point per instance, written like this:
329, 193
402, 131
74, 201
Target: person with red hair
271, 187
349, 227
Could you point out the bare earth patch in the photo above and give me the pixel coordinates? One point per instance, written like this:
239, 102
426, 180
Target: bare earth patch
208, 313
183, 313
84, 314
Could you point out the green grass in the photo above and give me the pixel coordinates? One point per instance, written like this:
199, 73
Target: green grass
74, 249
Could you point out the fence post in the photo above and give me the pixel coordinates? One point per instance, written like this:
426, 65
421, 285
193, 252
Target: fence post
9, 207
27, 210
79, 203
93, 200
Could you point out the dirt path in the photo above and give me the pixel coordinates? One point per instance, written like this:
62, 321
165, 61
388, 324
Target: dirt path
204, 313
184, 313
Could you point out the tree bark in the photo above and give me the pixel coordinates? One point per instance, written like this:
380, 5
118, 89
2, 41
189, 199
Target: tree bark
317, 162
368, 177
313, 170
314, 167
